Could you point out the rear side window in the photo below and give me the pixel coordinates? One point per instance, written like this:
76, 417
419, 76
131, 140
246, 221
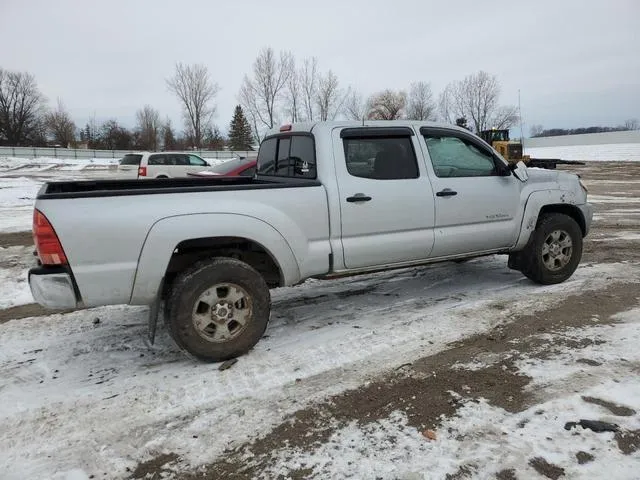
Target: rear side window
157, 160
177, 159
381, 158
131, 159
288, 156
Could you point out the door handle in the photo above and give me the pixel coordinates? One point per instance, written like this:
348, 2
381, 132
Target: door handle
358, 197
447, 192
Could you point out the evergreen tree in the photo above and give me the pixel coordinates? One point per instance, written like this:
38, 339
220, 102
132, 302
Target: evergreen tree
240, 134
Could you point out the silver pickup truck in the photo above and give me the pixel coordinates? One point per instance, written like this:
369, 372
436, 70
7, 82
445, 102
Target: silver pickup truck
328, 199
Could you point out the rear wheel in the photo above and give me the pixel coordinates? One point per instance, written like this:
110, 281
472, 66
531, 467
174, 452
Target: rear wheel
554, 250
218, 309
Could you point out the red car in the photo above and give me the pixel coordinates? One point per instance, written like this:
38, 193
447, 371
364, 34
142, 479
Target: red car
232, 168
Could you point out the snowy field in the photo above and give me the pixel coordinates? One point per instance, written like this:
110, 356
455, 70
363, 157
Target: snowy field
84, 395
615, 152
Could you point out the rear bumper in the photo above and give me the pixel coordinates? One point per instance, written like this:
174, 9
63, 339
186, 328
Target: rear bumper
52, 288
587, 213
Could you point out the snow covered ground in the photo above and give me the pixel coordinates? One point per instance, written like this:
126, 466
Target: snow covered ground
50, 163
610, 152
488, 439
86, 391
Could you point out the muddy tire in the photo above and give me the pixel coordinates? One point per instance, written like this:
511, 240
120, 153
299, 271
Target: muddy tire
554, 250
218, 309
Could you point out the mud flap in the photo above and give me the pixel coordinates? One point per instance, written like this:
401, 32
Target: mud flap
154, 308
514, 262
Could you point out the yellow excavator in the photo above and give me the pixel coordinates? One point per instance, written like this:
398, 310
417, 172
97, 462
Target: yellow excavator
512, 150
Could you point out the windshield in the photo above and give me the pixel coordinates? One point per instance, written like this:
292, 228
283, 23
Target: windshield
131, 159
227, 167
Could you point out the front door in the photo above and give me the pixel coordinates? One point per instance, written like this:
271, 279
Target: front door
386, 200
476, 208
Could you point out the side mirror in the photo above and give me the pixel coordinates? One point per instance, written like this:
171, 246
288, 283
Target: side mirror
520, 171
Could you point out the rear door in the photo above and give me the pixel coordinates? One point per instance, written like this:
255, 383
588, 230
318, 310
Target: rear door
386, 199
157, 165
476, 208
129, 164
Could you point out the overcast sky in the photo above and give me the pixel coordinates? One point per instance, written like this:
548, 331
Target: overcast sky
576, 63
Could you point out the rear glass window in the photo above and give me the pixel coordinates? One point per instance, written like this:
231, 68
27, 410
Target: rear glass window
288, 156
131, 159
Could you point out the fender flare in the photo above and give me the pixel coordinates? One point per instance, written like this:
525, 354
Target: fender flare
535, 203
164, 236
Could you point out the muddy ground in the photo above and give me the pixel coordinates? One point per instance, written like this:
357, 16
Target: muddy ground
615, 237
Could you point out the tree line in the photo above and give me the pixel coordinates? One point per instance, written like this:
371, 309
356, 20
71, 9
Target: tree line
540, 131
26, 119
278, 89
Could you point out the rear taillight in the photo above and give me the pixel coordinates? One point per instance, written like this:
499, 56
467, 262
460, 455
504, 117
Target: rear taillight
142, 171
47, 244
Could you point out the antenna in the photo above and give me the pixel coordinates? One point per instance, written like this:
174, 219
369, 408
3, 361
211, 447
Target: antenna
520, 115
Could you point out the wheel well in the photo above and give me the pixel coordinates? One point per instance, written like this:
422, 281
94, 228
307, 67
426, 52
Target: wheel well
570, 210
191, 251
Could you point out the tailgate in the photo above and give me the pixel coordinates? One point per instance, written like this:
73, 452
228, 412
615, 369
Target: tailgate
128, 166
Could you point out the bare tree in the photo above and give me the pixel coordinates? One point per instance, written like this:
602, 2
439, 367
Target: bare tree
421, 105
536, 130
196, 91
60, 126
259, 94
505, 116
355, 107
329, 97
631, 124
148, 127
309, 85
387, 105
445, 104
294, 93
476, 98
22, 108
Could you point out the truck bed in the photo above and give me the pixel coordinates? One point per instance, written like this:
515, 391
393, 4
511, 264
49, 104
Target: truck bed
120, 187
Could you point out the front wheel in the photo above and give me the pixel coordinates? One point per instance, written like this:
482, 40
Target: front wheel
554, 250
218, 309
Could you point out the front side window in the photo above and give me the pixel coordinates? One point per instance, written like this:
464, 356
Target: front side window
454, 156
196, 161
287, 156
381, 158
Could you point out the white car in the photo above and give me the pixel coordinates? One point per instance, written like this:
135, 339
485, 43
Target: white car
160, 165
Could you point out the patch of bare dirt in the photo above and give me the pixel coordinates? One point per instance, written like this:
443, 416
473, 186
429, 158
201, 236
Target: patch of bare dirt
26, 311
154, 468
628, 442
15, 239
545, 468
584, 457
509, 474
421, 389
614, 408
